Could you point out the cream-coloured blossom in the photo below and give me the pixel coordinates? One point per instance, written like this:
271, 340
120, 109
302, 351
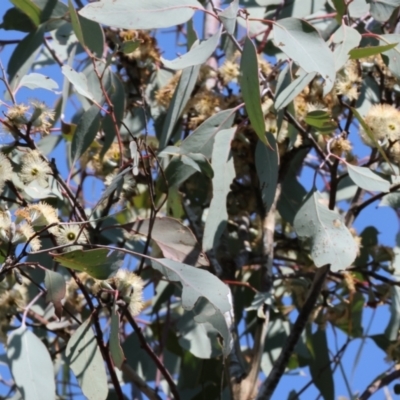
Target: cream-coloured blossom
348, 80
16, 115
5, 170
5, 225
68, 234
340, 145
40, 214
128, 185
34, 168
394, 152
130, 288
41, 117
383, 121
25, 232
346, 87
229, 71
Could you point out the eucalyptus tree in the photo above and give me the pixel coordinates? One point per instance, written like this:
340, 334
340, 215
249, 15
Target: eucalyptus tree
156, 235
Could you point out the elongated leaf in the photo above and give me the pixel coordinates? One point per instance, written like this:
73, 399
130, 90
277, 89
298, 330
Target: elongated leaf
202, 292
93, 35
85, 132
267, 170
31, 365
250, 87
370, 51
75, 23
38, 81
293, 89
179, 100
116, 184
346, 38
201, 338
382, 10
367, 180
85, 360
392, 329
340, 7
202, 139
116, 351
198, 54
89, 33
117, 97
199, 162
321, 121
23, 56
320, 366
29, 8
229, 15
56, 289
351, 324
141, 14
176, 240
78, 80
392, 57
331, 241
15, 20
177, 172
301, 42
95, 262
224, 173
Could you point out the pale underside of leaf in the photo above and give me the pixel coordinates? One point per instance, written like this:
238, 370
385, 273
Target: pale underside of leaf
141, 14
331, 241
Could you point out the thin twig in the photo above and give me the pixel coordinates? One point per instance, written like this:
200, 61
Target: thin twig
145, 346
269, 385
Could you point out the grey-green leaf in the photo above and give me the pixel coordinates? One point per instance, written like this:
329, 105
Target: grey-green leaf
176, 241
392, 57
179, 100
285, 96
331, 241
229, 15
267, 170
23, 56
202, 292
141, 14
38, 81
86, 362
320, 365
29, 8
382, 10
31, 365
345, 38
367, 180
78, 80
302, 43
116, 184
85, 132
224, 173
56, 289
198, 54
116, 351
362, 52
392, 329
250, 86
202, 139
96, 262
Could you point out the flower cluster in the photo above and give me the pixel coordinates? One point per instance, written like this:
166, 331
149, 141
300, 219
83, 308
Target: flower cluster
37, 116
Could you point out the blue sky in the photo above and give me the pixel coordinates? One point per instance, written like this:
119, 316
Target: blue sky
384, 219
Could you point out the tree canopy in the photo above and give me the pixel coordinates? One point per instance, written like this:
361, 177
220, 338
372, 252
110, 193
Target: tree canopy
180, 183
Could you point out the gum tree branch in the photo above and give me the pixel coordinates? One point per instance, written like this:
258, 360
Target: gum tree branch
269, 385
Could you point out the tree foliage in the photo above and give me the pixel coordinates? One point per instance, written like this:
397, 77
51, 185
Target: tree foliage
156, 233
